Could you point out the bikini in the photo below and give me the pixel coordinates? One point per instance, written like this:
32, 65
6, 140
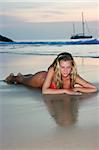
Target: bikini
53, 86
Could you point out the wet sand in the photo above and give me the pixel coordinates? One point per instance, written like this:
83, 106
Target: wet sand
32, 121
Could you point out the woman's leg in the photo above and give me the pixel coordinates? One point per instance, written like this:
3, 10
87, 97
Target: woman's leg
35, 81
11, 79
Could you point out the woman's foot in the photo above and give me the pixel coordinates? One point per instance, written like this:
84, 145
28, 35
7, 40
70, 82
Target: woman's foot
10, 79
19, 78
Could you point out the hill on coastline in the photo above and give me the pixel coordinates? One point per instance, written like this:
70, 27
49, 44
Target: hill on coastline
5, 39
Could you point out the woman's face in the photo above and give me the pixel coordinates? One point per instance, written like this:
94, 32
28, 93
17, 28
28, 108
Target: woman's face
65, 67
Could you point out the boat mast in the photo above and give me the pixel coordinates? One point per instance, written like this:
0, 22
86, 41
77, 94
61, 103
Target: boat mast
83, 25
73, 29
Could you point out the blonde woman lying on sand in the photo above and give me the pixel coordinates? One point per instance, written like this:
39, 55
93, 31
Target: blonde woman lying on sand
61, 77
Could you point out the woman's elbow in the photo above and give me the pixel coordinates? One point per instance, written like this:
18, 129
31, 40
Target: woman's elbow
44, 90
95, 89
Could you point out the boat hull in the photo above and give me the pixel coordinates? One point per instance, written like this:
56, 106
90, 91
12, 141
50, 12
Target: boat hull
80, 37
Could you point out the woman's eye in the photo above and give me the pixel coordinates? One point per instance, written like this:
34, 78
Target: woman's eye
62, 67
66, 67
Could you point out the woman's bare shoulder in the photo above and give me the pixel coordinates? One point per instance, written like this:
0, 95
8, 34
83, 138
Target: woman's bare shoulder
51, 70
50, 73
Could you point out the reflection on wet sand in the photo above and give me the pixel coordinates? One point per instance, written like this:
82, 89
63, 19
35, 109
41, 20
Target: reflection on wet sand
63, 108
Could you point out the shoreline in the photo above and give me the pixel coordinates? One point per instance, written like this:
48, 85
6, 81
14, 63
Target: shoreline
56, 42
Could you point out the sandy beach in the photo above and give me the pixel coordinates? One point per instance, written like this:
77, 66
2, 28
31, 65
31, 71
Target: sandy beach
32, 121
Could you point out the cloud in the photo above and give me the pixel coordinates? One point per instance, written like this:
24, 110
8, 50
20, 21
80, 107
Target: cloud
50, 11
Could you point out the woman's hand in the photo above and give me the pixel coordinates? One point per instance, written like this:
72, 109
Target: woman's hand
72, 92
85, 89
84, 86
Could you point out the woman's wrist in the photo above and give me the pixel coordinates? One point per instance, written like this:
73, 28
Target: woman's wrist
72, 92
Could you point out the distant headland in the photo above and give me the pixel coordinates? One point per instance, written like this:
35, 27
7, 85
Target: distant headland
5, 39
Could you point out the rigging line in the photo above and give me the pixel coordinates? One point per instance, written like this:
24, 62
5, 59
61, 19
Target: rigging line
87, 26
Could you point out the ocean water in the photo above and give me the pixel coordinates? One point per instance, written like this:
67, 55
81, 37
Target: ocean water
79, 48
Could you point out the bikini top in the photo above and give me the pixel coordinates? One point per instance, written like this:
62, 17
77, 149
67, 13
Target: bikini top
53, 86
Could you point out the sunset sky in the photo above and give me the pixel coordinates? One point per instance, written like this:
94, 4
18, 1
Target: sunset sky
47, 19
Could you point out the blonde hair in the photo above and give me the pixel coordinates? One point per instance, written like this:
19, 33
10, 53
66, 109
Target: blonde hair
56, 64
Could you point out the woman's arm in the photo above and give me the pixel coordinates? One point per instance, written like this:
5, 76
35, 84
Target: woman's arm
46, 86
85, 86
